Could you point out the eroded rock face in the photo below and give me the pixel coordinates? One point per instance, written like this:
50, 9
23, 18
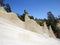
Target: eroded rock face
51, 32
29, 24
58, 32
12, 17
33, 26
11, 34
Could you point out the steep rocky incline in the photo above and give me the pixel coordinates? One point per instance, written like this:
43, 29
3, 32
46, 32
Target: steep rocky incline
11, 34
29, 24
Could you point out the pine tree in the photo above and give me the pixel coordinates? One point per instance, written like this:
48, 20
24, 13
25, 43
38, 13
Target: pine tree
2, 3
52, 21
7, 8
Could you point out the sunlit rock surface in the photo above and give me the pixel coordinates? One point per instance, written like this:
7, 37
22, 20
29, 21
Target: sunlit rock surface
11, 34
13, 31
12, 17
29, 24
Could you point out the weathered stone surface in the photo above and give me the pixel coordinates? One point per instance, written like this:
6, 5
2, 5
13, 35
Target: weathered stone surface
11, 17
28, 24
45, 28
51, 32
11, 34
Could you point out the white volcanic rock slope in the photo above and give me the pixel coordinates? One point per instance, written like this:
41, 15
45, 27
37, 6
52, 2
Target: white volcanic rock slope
13, 34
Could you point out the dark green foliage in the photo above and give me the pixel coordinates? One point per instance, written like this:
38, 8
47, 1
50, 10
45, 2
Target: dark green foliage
52, 21
1, 3
7, 8
40, 21
22, 17
37, 20
58, 33
31, 17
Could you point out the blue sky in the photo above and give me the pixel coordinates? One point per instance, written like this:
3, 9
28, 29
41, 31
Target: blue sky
36, 8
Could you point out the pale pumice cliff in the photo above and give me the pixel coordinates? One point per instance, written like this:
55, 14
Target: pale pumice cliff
12, 17
11, 34
29, 24
13, 31
33, 26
